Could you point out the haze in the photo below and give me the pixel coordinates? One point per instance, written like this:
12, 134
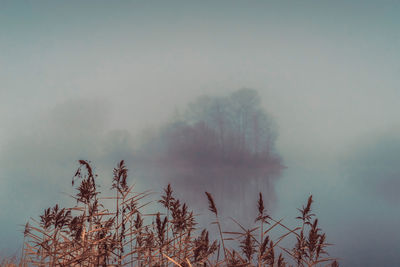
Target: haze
88, 79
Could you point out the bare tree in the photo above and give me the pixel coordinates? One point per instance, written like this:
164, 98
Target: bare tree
224, 142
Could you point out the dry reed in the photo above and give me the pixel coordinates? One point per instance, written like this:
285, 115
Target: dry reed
88, 234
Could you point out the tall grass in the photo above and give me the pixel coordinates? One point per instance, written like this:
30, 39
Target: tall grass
89, 234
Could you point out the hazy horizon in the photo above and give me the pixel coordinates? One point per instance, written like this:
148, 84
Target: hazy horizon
84, 80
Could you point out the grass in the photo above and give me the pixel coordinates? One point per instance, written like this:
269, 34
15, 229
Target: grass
89, 234
9, 262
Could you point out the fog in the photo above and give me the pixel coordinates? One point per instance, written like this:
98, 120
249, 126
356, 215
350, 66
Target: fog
99, 82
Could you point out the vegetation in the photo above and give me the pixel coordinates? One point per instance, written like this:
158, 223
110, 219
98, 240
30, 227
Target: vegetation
116, 231
226, 142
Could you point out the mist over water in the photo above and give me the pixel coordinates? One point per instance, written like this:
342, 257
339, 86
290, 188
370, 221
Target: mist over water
224, 145
102, 82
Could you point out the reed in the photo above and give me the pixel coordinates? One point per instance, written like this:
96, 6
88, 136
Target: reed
88, 234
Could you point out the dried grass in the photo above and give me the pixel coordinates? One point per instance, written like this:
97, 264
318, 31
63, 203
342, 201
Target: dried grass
90, 235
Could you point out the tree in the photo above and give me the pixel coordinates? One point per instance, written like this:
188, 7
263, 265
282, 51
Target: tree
225, 143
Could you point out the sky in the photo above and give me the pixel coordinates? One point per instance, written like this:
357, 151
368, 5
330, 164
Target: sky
84, 79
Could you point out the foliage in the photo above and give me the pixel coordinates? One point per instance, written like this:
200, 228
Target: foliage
89, 234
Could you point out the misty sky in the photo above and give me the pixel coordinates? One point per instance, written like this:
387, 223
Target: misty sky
82, 79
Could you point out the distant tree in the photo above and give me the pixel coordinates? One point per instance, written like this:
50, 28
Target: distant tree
236, 126
224, 142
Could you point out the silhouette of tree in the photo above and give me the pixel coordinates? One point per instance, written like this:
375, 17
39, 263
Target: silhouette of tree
225, 143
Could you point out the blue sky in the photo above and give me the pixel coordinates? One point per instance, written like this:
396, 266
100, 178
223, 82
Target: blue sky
74, 74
